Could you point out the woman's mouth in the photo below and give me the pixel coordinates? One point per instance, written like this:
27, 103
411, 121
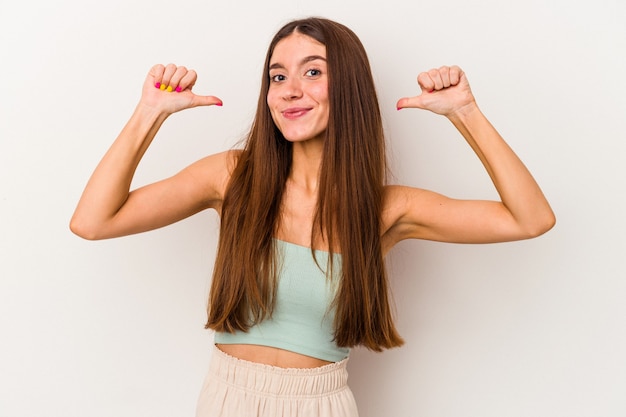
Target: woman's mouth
295, 112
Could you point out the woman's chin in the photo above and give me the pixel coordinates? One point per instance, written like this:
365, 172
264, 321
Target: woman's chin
295, 138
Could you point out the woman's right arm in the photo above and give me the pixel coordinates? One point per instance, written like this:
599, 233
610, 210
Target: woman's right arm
107, 208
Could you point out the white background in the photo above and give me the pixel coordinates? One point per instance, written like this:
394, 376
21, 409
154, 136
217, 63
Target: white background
115, 328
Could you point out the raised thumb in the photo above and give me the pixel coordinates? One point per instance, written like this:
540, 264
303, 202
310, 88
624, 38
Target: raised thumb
410, 102
206, 101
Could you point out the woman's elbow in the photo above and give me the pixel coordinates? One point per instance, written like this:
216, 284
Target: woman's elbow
541, 225
83, 229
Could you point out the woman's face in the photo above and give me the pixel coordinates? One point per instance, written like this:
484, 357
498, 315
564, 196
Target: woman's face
298, 92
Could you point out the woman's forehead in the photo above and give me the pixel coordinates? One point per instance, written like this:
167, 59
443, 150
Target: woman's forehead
295, 46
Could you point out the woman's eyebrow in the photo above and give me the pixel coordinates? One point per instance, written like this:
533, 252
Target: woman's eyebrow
305, 60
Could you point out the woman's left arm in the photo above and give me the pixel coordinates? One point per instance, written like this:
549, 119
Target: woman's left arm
523, 211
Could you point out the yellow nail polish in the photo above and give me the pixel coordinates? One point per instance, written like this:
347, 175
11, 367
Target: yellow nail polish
169, 89
162, 87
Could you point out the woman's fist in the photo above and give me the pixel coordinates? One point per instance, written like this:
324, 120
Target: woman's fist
168, 89
445, 90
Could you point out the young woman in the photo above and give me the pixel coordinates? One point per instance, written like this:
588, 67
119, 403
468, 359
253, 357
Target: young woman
306, 217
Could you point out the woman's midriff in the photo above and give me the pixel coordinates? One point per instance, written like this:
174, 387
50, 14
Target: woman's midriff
272, 356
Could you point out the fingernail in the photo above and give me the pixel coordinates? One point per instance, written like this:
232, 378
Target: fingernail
169, 89
219, 104
162, 87
157, 85
178, 89
398, 108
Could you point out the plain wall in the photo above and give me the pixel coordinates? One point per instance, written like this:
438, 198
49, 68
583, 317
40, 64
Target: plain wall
115, 328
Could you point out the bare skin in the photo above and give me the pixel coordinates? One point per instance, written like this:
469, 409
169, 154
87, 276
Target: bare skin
269, 355
298, 100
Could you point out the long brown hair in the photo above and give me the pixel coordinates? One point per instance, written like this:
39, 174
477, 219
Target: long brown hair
349, 206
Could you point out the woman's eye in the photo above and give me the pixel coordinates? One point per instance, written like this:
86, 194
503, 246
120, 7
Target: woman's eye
277, 78
313, 73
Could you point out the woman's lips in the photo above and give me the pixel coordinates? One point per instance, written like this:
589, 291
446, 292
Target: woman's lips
295, 112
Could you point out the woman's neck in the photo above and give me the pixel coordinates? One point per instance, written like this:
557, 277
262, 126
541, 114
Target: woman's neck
306, 162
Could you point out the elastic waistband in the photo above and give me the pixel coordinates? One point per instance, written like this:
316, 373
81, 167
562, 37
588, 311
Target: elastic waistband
275, 381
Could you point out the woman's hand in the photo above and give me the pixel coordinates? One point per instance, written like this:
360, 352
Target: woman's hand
445, 91
522, 212
168, 90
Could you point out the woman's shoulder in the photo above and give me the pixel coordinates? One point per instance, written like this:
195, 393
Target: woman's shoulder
212, 173
220, 164
392, 211
396, 197
401, 204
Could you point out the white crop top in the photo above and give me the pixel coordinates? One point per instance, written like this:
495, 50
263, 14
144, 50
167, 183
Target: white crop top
302, 321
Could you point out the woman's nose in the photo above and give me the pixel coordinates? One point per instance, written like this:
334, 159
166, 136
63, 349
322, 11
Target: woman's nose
293, 89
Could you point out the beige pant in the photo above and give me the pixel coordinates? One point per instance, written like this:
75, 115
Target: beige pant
238, 388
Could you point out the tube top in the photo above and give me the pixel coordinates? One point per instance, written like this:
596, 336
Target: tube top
302, 321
